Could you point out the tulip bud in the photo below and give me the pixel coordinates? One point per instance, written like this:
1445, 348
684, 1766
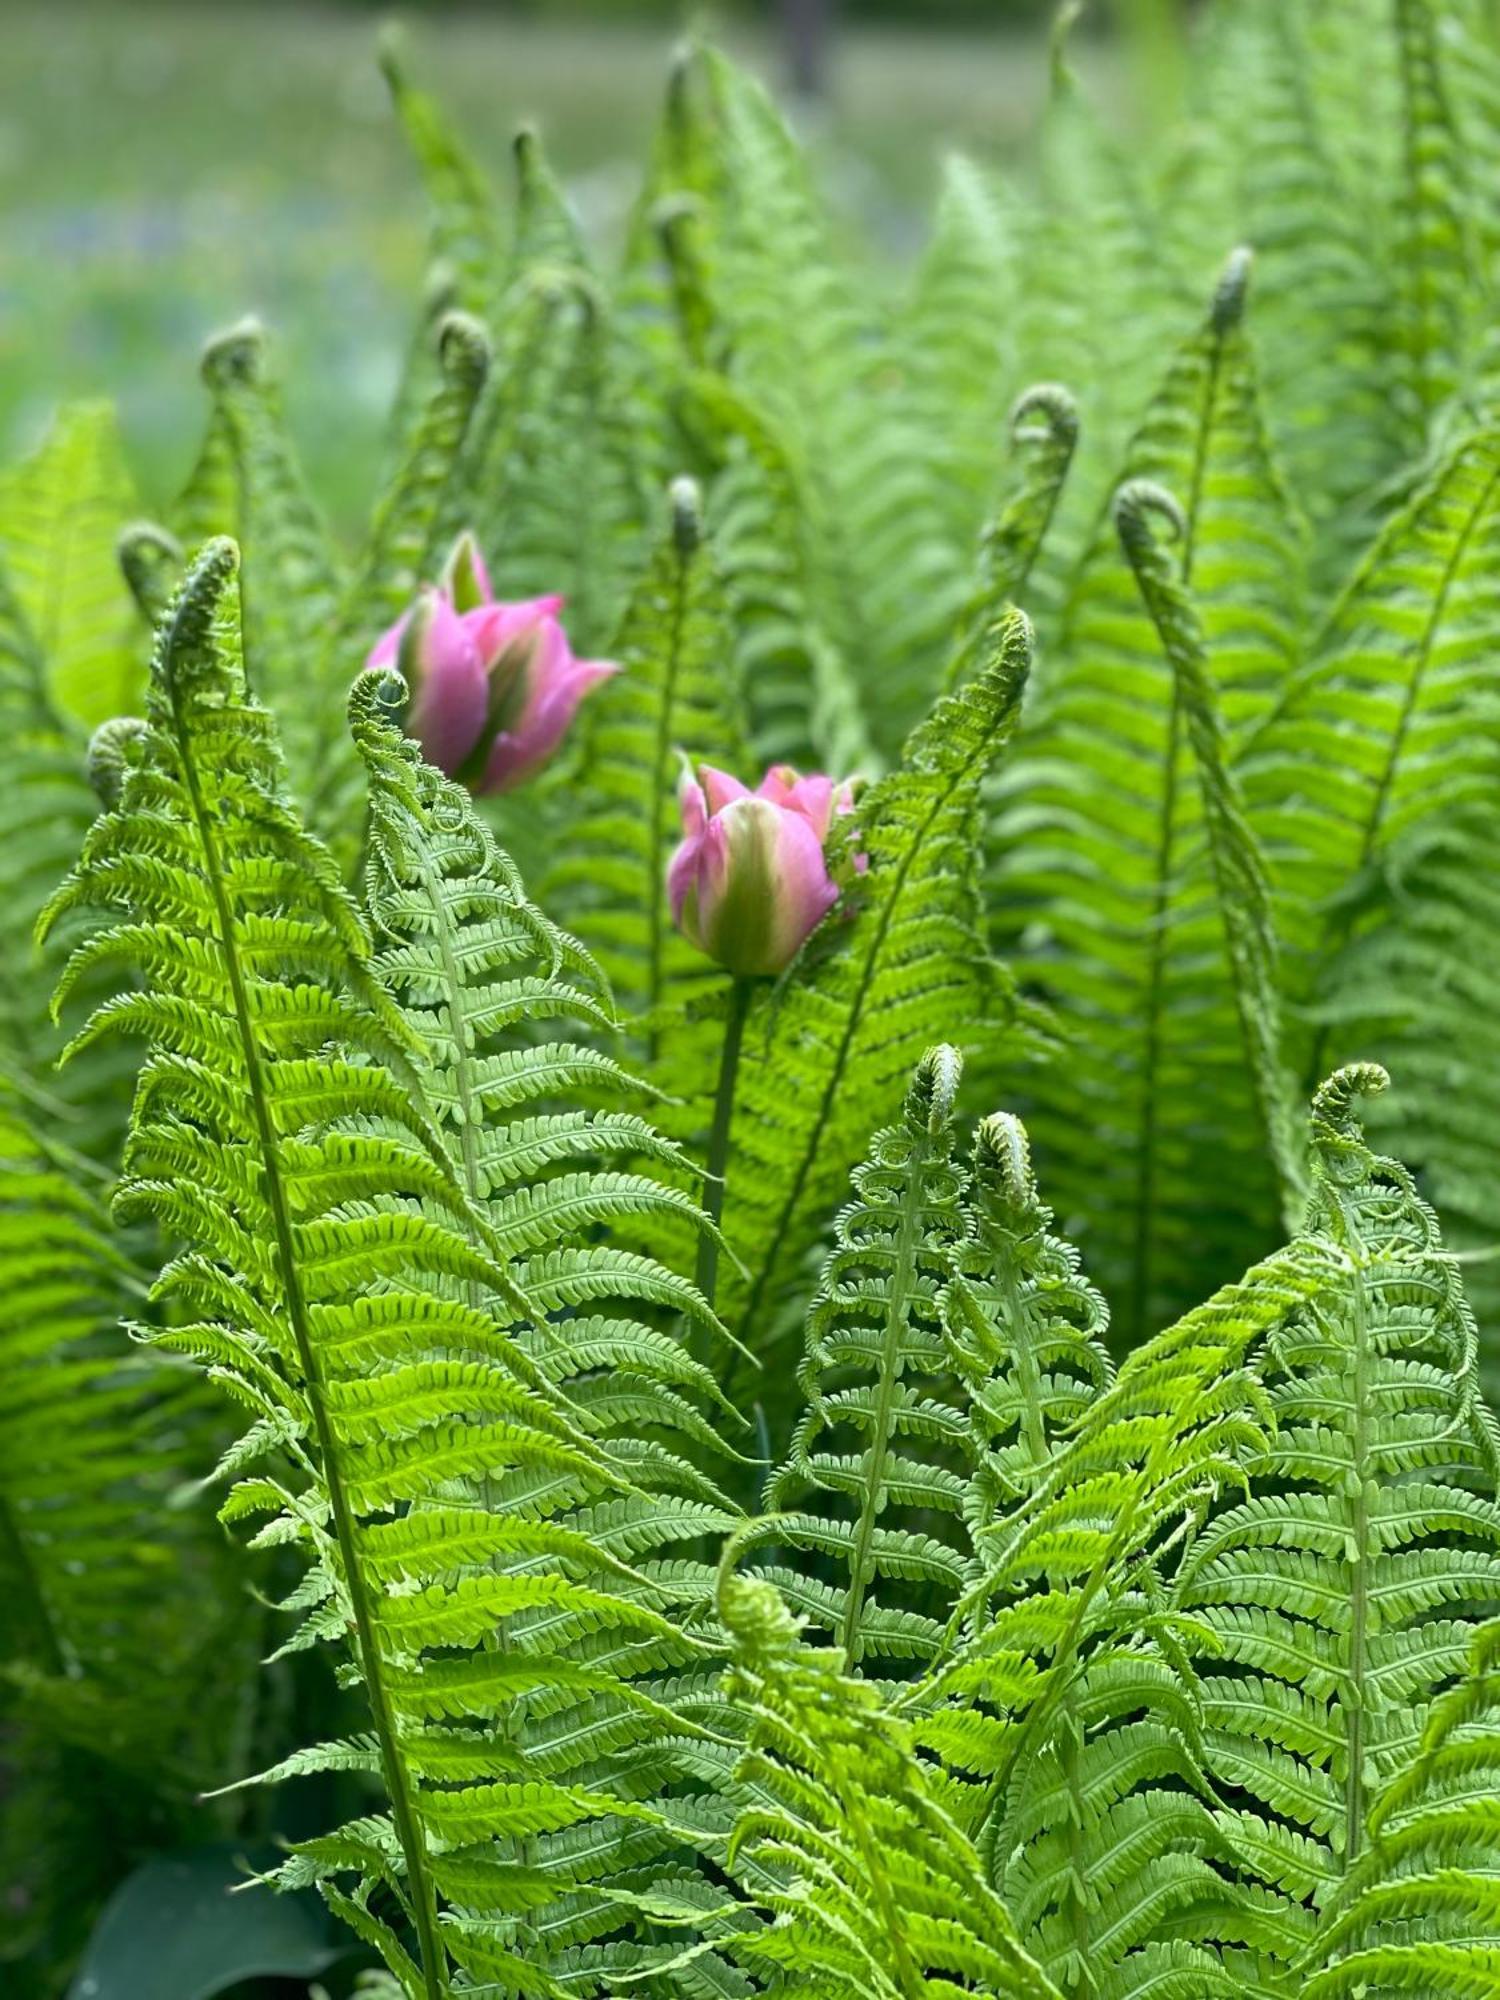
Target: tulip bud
494, 685
749, 882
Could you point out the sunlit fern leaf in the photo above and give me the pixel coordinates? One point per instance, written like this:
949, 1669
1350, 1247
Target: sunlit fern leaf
1391, 729
60, 513
117, 1602
509, 1009
1067, 1717
802, 700
278, 1132
676, 696
1440, 293
1418, 1913
874, 1484
1415, 985
868, 1885
850, 1021
1043, 435
1342, 1590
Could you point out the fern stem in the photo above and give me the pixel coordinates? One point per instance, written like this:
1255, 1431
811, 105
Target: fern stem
33, 1597
741, 992
433, 1956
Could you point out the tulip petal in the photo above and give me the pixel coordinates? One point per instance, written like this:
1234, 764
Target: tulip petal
450, 692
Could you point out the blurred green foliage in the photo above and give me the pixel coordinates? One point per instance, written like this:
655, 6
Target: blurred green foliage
166, 167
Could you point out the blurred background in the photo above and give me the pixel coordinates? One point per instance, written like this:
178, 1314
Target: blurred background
169, 165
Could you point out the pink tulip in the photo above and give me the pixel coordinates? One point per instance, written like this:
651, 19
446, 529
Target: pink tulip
750, 880
494, 686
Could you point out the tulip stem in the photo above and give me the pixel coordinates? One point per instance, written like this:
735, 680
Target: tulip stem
740, 993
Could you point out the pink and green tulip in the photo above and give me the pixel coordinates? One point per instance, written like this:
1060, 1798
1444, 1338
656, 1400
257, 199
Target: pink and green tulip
494, 686
750, 880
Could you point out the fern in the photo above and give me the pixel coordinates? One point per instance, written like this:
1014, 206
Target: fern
882, 1433
1149, 913
870, 1885
118, 1602
1393, 712
1417, 1912
854, 1019
1341, 1591
59, 516
276, 1133
481, 976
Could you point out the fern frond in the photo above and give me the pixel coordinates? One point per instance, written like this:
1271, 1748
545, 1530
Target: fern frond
853, 1018
1389, 732
870, 1886
280, 1134
1342, 1590
60, 514
1418, 1913
884, 1437
509, 1009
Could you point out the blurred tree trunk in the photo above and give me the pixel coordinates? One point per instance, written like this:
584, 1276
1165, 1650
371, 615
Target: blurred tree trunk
808, 25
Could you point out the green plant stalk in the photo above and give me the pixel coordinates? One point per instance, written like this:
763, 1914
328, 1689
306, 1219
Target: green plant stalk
740, 992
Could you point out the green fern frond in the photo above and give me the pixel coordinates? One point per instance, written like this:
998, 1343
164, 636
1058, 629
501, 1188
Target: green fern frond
854, 1016
327, 1245
509, 1009
117, 1599
884, 1436
1068, 1715
60, 514
1393, 714
1235, 862
869, 1885
1024, 1326
1341, 1592
1418, 1913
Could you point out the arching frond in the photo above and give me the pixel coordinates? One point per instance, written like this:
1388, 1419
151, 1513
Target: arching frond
1341, 1591
327, 1244
508, 1009
869, 1885
60, 514
854, 1016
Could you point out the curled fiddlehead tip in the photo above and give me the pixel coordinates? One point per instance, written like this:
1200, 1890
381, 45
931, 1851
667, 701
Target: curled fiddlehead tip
1228, 306
1052, 403
463, 347
149, 558
112, 751
1063, 23
1335, 1107
1002, 1162
378, 697
235, 355
686, 502
934, 1086
1135, 503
